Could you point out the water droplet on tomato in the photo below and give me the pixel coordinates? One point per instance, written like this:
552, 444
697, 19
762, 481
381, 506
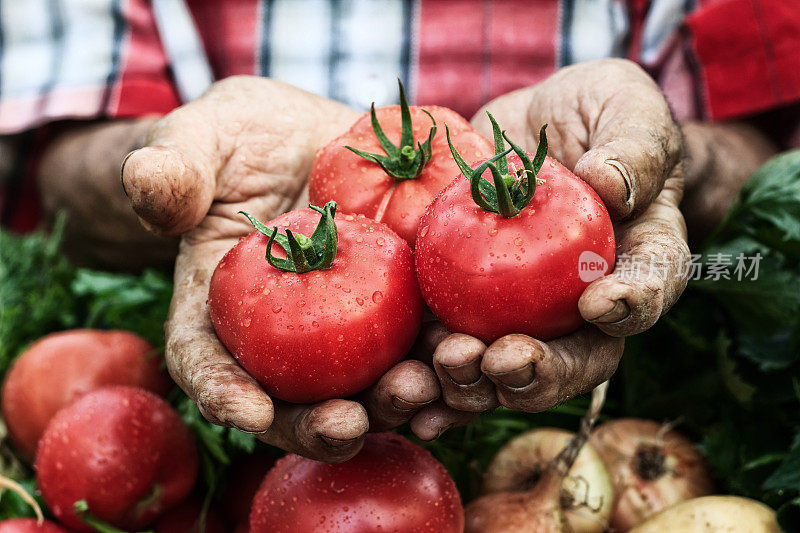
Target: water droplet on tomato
360, 301
381, 241
423, 231
276, 309
377, 296
518, 241
340, 338
246, 322
359, 238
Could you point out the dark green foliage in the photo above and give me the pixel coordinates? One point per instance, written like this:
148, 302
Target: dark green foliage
35, 295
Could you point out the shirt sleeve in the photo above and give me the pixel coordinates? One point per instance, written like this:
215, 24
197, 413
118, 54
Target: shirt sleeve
81, 60
748, 55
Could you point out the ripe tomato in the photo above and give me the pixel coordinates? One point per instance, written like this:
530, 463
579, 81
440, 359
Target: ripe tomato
324, 333
490, 275
391, 485
58, 368
29, 525
397, 198
123, 450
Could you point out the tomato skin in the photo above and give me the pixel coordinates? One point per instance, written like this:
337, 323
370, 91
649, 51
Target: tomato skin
115, 447
61, 366
361, 186
29, 525
391, 485
325, 333
490, 276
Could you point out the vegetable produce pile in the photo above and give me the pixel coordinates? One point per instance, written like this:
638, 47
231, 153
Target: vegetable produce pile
119, 448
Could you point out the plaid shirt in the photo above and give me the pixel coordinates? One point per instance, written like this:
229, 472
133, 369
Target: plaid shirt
88, 59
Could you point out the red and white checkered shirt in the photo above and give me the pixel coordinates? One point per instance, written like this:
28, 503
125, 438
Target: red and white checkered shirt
89, 59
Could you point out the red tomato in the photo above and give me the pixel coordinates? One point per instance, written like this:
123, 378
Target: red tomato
58, 368
325, 333
361, 186
123, 450
185, 518
490, 276
29, 525
243, 481
391, 485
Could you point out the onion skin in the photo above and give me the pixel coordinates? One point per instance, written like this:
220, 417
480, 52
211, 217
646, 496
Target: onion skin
534, 511
625, 445
713, 513
516, 499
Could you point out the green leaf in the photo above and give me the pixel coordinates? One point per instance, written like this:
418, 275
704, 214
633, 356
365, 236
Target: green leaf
773, 194
777, 351
787, 476
767, 303
768, 206
137, 303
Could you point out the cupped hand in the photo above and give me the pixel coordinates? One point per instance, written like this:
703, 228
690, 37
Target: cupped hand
248, 144
609, 123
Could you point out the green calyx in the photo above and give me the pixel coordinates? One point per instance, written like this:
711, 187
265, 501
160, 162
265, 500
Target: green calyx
404, 162
511, 191
81, 509
303, 254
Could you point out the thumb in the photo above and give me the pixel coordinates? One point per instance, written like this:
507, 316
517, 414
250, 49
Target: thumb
171, 181
634, 143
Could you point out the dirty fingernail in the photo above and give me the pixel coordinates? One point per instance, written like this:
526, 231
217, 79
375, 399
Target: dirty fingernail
465, 374
619, 312
516, 379
338, 443
404, 405
122, 170
626, 178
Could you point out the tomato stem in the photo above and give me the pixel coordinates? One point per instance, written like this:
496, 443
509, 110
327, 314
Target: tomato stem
406, 162
510, 193
303, 254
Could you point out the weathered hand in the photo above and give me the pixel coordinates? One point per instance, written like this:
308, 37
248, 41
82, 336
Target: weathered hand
248, 144
78, 174
609, 123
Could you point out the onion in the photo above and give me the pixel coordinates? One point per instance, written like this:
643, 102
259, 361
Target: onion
545, 480
652, 467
